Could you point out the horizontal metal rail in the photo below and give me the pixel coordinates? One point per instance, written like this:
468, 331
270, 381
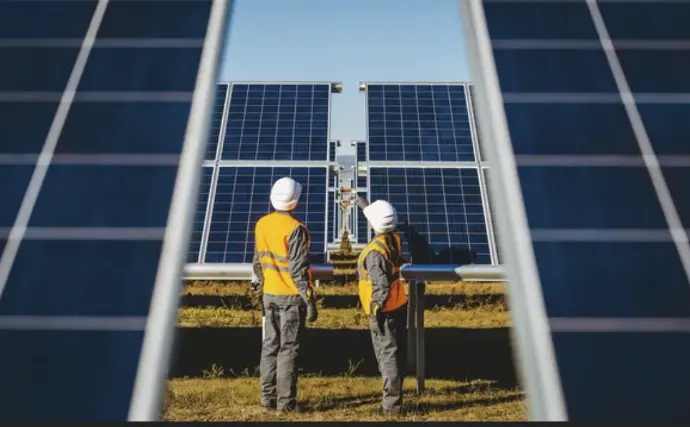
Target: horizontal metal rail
412, 272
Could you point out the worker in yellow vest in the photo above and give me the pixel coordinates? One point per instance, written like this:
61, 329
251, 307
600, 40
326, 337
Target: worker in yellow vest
282, 272
384, 300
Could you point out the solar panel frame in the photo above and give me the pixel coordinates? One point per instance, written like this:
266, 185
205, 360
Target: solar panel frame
153, 332
539, 372
597, 27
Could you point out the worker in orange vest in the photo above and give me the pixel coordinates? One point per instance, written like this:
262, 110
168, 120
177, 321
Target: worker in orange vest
384, 300
282, 273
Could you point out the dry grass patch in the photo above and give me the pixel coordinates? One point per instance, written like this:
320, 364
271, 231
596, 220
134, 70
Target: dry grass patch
345, 318
436, 288
341, 399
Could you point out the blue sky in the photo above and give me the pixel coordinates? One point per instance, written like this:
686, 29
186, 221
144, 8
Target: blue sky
347, 41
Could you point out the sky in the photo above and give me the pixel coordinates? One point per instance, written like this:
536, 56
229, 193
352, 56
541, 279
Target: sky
349, 41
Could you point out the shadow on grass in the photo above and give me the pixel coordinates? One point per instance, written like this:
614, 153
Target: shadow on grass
344, 301
451, 353
462, 404
337, 402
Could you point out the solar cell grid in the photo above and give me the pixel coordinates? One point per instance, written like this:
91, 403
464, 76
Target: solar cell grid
99, 197
277, 122
444, 209
195, 240
361, 152
216, 121
331, 151
242, 197
418, 123
604, 202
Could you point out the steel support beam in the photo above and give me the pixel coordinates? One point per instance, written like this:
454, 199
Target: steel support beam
409, 272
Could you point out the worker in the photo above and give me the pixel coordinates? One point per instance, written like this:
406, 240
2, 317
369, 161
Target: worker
384, 300
281, 272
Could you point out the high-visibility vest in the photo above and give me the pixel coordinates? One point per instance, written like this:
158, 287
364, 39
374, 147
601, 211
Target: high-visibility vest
272, 234
396, 297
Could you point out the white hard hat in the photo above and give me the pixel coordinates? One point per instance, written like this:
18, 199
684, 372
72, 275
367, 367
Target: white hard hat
285, 194
382, 216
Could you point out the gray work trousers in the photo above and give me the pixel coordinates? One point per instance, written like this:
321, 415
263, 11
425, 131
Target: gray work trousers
282, 327
389, 336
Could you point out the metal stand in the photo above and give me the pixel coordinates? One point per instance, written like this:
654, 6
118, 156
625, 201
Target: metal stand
415, 333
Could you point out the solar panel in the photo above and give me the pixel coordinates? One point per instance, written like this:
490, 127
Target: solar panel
332, 205
94, 105
219, 107
589, 106
242, 197
195, 242
331, 151
361, 152
443, 208
362, 232
277, 122
418, 122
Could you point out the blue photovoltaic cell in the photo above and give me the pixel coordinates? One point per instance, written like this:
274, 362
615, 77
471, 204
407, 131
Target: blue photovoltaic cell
418, 123
242, 197
333, 208
598, 225
443, 208
94, 236
277, 122
200, 215
216, 121
331, 151
362, 183
362, 226
361, 152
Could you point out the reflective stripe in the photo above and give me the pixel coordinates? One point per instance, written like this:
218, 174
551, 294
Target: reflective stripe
274, 267
277, 258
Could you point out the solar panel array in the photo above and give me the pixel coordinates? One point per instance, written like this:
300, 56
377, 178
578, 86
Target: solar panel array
595, 96
258, 131
94, 105
421, 157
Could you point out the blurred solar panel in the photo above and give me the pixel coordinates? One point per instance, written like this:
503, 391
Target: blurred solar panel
242, 197
444, 211
418, 122
195, 240
83, 224
214, 134
600, 143
277, 122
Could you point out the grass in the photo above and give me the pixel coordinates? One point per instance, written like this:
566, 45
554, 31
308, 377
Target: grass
345, 318
340, 399
440, 288
224, 396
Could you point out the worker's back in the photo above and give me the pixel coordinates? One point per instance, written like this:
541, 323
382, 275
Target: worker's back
272, 234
